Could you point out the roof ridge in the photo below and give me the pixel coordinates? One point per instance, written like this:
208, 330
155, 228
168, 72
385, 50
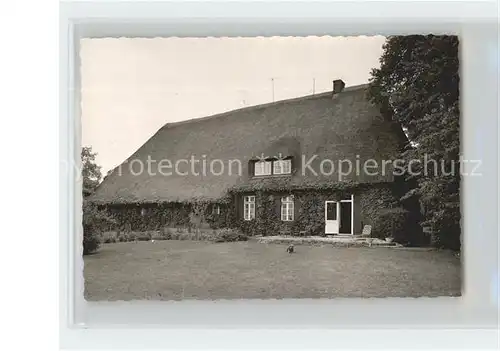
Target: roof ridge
255, 107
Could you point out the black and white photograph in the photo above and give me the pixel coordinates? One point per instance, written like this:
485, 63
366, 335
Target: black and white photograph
317, 167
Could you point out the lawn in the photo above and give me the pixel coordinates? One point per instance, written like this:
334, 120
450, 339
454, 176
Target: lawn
197, 270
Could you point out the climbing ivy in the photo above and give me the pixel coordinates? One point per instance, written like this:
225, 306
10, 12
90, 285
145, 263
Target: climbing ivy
373, 199
145, 217
309, 213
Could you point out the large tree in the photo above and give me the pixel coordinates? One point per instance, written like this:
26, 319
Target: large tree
94, 219
417, 85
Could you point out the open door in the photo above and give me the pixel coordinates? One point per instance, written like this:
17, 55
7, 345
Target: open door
332, 217
346, 210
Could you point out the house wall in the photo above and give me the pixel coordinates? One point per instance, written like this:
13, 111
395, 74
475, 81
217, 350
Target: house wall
372, 199
146, 217
310, 211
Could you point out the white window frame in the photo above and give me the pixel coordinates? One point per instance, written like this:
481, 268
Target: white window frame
217, 209
262, 168
287, 209
249, 207
279, 166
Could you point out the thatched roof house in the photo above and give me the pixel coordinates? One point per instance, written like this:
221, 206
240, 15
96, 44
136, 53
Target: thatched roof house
309, 134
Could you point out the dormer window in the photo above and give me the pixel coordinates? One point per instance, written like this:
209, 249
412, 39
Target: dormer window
272, 166
282, 166
263, 168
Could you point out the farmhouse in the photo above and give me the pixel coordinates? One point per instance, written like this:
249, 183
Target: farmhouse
314, 165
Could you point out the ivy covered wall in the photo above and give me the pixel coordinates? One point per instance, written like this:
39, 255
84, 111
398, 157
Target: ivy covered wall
309, 212
146, 217
372, 200
309, 208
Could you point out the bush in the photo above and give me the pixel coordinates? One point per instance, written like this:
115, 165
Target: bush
94, 220
221, 235
160, 235
315, 229
229, 235
91, 240
445, 229
114, 236
109, 237
392, 223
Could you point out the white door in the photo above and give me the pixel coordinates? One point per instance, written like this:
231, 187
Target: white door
332, 217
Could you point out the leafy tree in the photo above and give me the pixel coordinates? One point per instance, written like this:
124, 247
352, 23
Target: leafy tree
91, 172
94, 219
417, 85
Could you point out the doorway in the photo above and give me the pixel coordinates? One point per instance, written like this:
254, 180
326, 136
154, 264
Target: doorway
345, 217
339, 216
332, 209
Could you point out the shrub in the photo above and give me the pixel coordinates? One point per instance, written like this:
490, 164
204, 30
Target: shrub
94, 221
315, 229
229, 235
175, 234
91, 240
393, 223
161, 235
247, 227
445, 229
143, 237
109, 237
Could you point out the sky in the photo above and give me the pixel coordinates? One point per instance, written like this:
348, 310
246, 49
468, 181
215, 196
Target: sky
131, 87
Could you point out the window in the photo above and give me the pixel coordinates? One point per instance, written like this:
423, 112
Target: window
282, 167
216, 209
331, 211
287, 208
272, 167
262, 168
249, 207
143, 211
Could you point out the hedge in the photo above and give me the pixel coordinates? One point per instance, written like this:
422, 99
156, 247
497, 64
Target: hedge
216, 235
392, 222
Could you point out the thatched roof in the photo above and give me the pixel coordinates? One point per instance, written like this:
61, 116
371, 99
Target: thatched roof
339, 128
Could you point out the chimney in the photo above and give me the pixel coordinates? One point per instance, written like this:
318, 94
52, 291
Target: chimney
338, 86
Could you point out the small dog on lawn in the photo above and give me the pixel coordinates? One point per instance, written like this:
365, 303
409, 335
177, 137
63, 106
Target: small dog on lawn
289, 249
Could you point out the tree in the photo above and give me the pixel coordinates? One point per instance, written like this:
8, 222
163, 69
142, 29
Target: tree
94, 219
91, 172
417, 85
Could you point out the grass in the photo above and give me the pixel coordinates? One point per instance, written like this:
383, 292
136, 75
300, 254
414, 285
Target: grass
167, 270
